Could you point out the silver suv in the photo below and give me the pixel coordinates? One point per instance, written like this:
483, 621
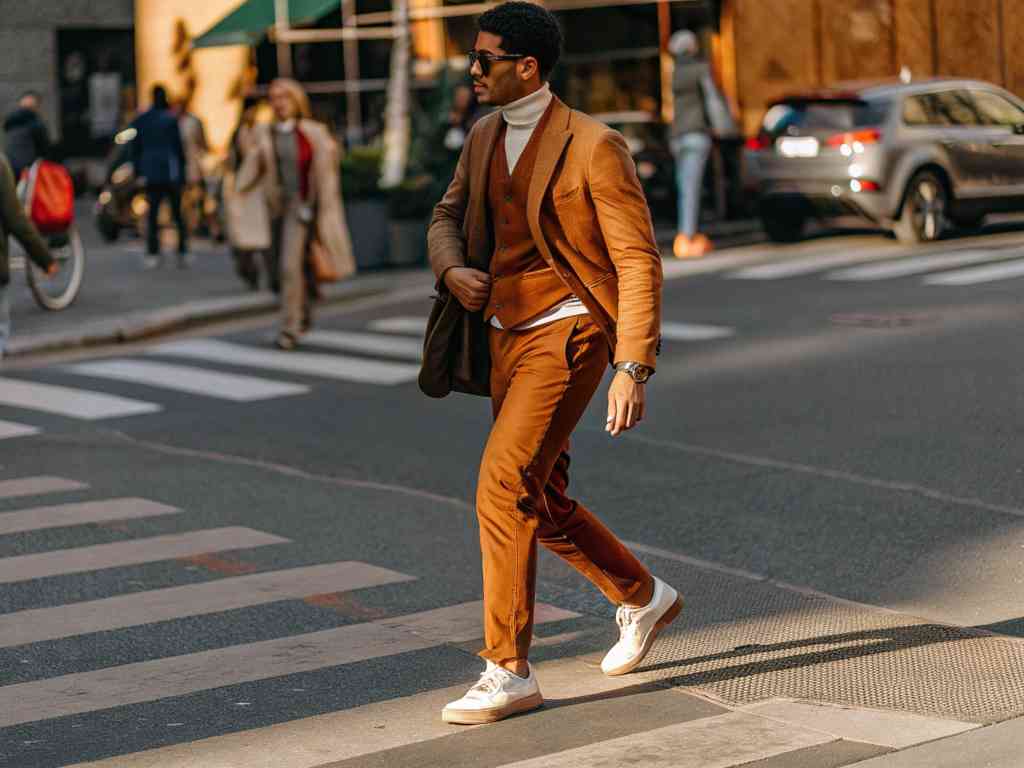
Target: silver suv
911, 157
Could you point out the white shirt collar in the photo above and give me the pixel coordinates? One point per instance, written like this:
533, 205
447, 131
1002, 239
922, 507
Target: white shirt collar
287, 126
527, 111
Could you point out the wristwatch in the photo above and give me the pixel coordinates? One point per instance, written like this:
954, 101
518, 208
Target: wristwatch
639, 372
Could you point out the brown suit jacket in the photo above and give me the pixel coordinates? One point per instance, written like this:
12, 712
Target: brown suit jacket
588, 217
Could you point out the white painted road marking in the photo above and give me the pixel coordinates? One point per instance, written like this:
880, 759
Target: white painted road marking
80, 513
369, 343
183, 378
673, 269
722, 741
358, 369
226, 594
13, 429
461, 623
67, 561
65, 401
37, 486
917, 265
403, 324
694, 332
189, 673
811, 264
897, 730
976, 275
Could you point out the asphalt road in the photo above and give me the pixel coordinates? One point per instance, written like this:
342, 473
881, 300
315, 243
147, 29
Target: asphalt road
856, 436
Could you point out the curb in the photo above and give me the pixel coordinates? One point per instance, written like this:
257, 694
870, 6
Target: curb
190, 314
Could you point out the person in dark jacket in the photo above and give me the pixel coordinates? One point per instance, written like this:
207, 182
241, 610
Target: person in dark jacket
159, 158
25, 136
14, 222
691, 141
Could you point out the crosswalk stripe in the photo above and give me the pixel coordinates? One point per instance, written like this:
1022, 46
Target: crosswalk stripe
13, 429
80, 513
180, 675
226, 594
121, 553
185, 378
811, 264
694, 332
314, 742
369, 343
37, 486
723, 741
672, 269
917, 265
358, 369
402, 324
976, 275
65, 401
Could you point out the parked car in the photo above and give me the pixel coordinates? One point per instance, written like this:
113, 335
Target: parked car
914, 158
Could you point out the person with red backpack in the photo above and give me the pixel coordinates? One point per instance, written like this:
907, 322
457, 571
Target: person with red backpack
13, 221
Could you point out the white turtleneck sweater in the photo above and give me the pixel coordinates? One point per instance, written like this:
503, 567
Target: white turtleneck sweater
521, 118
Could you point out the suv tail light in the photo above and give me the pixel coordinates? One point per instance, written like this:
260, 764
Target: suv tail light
758, 143
855, 140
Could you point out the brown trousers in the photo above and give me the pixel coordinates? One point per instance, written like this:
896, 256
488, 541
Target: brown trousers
541, 382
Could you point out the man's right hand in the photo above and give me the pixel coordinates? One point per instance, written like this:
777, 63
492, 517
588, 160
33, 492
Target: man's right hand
470, 286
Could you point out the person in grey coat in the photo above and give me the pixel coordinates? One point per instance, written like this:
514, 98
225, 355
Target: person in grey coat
25, 136
690, 140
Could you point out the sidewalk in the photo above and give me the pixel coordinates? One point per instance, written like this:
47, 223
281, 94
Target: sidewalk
120, 301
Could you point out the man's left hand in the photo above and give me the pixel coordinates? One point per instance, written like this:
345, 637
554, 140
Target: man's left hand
53, 269
626, 399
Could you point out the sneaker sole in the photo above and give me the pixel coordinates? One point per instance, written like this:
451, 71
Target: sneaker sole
482, 716
666, 618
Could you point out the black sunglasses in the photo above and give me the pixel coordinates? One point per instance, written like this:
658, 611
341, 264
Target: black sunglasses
486, 59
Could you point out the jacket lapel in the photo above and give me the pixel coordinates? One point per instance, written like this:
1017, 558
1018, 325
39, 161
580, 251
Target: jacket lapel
552, 144
478, 250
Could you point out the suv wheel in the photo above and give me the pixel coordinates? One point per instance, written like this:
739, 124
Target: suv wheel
923, 218
782, 228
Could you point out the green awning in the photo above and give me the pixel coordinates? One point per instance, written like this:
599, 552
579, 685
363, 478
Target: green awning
249, 22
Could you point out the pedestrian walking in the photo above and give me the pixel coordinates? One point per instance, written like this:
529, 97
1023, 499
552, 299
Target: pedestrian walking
25, 136
545, 241
159, 159
690, 140
301, 176
246, 211
14, 222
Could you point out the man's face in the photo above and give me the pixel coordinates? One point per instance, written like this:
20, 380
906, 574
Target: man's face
29, 102
282, 104
507, 80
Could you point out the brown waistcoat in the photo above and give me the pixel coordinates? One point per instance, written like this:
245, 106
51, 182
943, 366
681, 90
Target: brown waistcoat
523, 284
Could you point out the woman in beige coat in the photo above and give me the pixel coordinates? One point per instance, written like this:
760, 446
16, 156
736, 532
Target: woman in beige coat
299, 168
246, 213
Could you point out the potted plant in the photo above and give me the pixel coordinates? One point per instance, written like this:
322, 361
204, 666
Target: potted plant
410, 205
366, 206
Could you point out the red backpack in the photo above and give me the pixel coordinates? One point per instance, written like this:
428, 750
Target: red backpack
51, 197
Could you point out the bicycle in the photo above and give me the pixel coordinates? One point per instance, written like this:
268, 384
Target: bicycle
59, 291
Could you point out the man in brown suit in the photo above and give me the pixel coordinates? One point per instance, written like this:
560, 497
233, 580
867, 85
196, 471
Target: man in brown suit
545, 234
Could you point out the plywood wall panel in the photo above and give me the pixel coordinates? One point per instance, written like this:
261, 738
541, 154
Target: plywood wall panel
914, 36
1013, 41
857, 39
968, 35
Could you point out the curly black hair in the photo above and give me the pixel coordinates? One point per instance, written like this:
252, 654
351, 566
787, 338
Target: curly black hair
528, 29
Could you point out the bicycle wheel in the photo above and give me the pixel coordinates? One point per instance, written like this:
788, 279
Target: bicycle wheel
60, 291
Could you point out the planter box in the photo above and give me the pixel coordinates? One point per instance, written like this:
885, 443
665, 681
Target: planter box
408, 241
368, 226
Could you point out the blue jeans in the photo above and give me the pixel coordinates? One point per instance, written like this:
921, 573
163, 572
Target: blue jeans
691, 151
5, 317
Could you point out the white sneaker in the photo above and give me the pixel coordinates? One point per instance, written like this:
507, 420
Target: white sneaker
638, 627
497, 695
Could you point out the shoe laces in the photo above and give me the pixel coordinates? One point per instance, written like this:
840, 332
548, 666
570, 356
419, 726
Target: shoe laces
624, 617
491, 680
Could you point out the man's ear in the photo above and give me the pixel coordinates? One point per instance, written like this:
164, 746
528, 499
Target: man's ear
529, 67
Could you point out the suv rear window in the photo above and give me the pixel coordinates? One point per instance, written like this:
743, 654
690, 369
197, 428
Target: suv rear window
812, 116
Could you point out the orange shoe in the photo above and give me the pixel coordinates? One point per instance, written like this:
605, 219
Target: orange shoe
681, 247
700, 246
